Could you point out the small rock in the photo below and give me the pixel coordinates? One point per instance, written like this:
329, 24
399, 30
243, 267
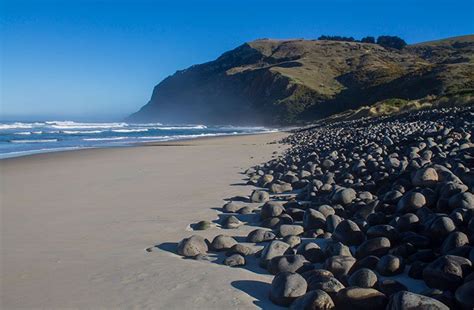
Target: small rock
259, 196
271, 250
363, 277
231, 222
425, 177
390, 287
390, 265
287, 263
271, 209
377, 246
290, 230
260, 235
339, 265
345, 196
222, 243
348, 233
202, 225
235, 260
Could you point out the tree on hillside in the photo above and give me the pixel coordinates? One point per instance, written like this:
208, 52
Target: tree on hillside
336, 38
368, 40
391, 42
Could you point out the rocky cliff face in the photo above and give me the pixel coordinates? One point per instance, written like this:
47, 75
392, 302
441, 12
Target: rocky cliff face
295, 81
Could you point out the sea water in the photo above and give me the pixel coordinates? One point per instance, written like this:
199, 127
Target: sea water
24, 138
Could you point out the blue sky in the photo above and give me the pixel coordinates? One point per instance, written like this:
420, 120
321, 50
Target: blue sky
85, 59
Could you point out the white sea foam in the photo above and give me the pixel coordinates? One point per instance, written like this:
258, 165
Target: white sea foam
19, 125
105, 139
75, 132
73, 125
130, 130
34, 141
27, 133
180, 127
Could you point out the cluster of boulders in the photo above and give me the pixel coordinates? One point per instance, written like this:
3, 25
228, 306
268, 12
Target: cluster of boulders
353, 207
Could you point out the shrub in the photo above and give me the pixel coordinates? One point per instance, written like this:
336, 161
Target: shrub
391, 42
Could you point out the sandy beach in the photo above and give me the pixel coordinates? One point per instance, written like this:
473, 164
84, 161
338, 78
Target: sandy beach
75, 226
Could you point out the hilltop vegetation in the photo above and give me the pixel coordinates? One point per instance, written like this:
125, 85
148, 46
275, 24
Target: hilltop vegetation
296, 81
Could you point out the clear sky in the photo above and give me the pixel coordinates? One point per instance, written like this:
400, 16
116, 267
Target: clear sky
85, 59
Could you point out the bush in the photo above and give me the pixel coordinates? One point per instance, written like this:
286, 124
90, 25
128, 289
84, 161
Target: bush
368, 40
391, 42
336, 38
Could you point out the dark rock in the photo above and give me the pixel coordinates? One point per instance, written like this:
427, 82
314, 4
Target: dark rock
410, 301
286, 287
326, 283
339, 265
235, 260
192, 246
363, 277
231, 222
354, 298
410, 202
259, 196
416, 270
465, 295
240, 249
454, 240
222, 243
313, 300
231, 207
369, 262
446, 272
390, 265
260, 235
271, 209
348, 233
202, 225
441, 227
271, 250
344, 196
390, 286
287, 263
290, 230
313, 219
377, 246
386, 231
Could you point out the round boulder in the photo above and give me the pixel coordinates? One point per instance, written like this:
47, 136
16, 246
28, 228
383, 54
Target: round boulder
355, 298
222, 243
192, 246
313, 300
410, 301
286, 287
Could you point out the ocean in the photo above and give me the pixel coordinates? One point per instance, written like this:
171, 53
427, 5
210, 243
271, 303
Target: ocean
24, 138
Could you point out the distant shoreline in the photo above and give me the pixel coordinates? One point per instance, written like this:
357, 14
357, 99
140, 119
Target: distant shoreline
171, 141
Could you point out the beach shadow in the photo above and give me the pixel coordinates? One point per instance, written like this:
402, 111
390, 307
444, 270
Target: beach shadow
239, 184
171, 247
257, 290
238, 198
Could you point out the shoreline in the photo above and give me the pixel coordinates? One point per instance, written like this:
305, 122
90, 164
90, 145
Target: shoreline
78, 223
132, 144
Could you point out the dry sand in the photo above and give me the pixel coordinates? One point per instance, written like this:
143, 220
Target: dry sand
75, 226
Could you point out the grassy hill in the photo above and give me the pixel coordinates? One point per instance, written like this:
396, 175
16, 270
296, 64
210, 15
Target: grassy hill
295, 81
